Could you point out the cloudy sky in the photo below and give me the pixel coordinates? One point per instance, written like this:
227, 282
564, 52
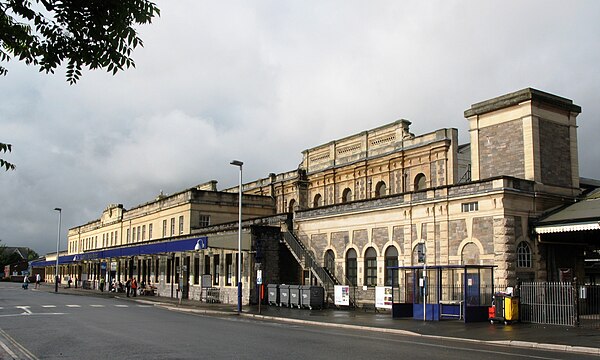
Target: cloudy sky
261, 81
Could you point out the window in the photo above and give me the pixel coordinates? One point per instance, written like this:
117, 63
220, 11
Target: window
180, 225
229, 269
149, 231
420, 182
351, 267
169, 270
164, 228
470, 207
523, 255
206, 265
371, 267
139, 235
196, 270
346, 195
318, 201
172, 226
216, 269
330, 261
111, 238
133, 236
204, 220
391, 259
380, 189
292, 205
143, 232
128, 236
116, 237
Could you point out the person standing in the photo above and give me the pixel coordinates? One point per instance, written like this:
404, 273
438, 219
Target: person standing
38, 278
134, 287
128, 286
102, 284
25, 282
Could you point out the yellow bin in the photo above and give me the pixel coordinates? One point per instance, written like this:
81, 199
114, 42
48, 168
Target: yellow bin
511, 308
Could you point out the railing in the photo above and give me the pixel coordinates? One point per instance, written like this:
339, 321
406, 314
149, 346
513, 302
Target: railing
305, 258
552, 303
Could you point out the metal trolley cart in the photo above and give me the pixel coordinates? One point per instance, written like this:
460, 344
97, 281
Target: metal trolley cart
505, 309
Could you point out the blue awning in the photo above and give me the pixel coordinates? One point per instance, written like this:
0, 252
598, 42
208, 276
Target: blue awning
128, 251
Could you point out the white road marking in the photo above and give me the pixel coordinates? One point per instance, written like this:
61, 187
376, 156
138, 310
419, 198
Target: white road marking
123, 306
97, 306
24, 308
48, 306
73, 306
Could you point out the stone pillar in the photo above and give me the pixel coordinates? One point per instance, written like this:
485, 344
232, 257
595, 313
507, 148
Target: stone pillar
504, 250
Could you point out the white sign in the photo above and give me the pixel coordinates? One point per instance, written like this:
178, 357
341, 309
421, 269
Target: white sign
259, 277
113, 266
342, 295
383, 297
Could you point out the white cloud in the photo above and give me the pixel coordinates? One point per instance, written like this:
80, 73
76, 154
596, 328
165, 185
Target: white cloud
261, 82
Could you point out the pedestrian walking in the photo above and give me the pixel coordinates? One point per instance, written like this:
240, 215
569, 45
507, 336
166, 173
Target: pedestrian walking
128, 286
102, 284
38, 279
134, 287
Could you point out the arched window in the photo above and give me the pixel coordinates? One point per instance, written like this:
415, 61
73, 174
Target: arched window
346, 195
330, 261
420, 182
470, 254
292, 205
318, 201
523, 255
380, 189
371, 267
391, 259
351, 267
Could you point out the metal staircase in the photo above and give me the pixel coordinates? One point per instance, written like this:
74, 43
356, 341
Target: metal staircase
307, 261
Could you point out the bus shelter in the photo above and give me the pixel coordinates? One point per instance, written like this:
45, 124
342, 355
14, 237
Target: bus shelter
440, 292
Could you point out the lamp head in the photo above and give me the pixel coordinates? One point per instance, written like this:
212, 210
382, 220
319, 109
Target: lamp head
237, 163
58, 209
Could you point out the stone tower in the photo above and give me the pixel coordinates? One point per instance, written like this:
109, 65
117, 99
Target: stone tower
528, 134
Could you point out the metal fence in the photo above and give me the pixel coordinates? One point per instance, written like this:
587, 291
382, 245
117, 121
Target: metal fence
560, 303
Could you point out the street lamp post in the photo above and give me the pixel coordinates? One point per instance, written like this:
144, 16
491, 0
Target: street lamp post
57, 246
239, 265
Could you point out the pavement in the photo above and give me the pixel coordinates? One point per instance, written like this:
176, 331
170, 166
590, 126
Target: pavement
557, 338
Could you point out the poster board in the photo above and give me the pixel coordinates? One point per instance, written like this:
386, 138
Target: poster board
342, 295
383, 297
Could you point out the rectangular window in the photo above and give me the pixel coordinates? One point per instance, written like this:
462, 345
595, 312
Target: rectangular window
470, 207
229, 269
112, 238
172, 226
168, 271
206, 265
139, 233
204, 220
133, 236
149, 231
391, 262
371, 271
143, 232
164, 228
177, 269
351, 271
128, 236
157, 271
116, 238
216, 268
180, 225
196, 270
